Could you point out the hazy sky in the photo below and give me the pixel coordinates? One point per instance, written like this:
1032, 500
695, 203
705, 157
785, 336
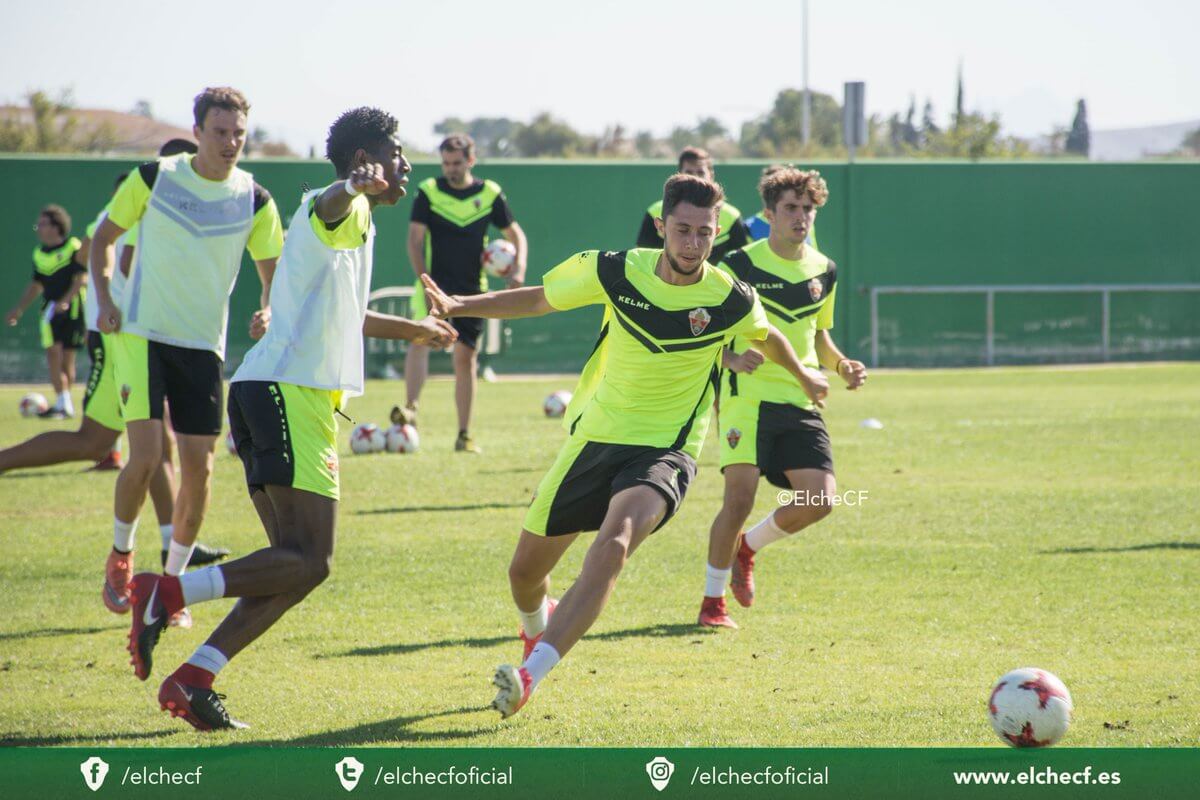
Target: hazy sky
645, 64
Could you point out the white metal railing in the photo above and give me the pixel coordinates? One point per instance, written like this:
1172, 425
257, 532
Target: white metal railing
398, 300
1105, 290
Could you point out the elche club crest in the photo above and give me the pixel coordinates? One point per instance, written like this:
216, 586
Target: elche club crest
699, 318
478, 204
815, 287
733, 437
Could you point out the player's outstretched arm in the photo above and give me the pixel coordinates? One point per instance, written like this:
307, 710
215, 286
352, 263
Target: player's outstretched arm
854, 373
429, 331
529, 301
777, 348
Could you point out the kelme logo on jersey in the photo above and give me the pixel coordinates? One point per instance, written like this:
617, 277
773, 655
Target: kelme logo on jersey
733, 437
815, 287
629, 301
699, 319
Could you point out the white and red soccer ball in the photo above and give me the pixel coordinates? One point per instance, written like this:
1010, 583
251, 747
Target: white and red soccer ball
555, 405
402, 439
33, 404
367, 438
499, 257
1029, 707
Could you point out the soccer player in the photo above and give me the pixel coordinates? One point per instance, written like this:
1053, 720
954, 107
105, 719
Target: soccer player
768, 426
638, 417
197, 213
446, 239
757, 226
59, 266
731, 231
283, 407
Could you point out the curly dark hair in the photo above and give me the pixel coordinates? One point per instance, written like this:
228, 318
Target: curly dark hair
59, 218
225, 97
362, 128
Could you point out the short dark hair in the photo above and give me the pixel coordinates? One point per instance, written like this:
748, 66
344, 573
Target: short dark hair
173, 147
362, 128
225, 97
775, 183
694, 154
458, 143
693, 189
58, 217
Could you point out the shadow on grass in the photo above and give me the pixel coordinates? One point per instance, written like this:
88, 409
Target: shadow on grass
48, 632
36, 472
396, 729
412, 509
1130, 549
516, 471
649, 631
17, 740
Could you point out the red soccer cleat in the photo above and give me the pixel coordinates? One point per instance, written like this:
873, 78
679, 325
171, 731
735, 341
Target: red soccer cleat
198, 706
110, 463
531, 643
118, 571
742, 580
515, 685
713, 614
153, 599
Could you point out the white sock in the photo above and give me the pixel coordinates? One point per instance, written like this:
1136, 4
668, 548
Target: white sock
540, 662
123, 535
764, 533
178, 556
166, 531
64, 402
208, 658
715, 580
535, 622
202, 584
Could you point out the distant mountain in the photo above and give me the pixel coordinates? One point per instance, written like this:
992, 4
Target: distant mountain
1130, 144
121, 133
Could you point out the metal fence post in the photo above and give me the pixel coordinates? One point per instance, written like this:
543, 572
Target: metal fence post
1105, 318
874, 327
989, 340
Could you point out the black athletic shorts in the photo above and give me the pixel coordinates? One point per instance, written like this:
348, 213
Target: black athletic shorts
573, 496
147, 373
64, 328
775, 437
469, 330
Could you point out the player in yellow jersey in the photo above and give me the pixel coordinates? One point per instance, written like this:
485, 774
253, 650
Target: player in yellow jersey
768, 427
639, 415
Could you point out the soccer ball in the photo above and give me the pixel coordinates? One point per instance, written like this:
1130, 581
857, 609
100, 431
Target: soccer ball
33, 404
555, 405
499, 257
402, 439
230, 444
367, 438
1030, 708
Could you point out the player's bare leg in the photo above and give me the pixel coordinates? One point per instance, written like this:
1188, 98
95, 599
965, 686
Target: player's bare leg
416, 370
195, 478
741, 485
466, 367
92, 442
129, 495
529, 580
633, 514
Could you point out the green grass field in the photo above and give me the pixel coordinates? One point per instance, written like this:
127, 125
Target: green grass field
1017, 517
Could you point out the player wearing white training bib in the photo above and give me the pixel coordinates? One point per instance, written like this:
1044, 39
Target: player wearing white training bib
283, 403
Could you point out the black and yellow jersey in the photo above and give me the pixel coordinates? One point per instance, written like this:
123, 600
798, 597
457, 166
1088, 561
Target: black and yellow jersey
799, 297
651, 378
731, 236
55, 268
457, 221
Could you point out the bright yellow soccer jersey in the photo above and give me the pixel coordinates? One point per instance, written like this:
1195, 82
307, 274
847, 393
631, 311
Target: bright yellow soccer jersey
652, 376
799, 296
129, 203
348, 233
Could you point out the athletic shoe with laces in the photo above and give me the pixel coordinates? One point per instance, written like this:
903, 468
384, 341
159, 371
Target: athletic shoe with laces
531, 643
110, 463
742, 579
465, 444
54, 413
202, 555
713, 614
118, 571
199, 707
515, 685
149, 618
404, 415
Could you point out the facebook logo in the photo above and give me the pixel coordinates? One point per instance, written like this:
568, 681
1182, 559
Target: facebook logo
94, 770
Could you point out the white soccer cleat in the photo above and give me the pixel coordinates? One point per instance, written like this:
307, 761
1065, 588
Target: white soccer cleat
515, 685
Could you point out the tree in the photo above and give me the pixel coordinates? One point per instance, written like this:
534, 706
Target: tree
142, 109
959, 111
710, 128
493, 135
51, 127
929, 128
1079, 138
545, 136
1191, 143
645, 144
777, 133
